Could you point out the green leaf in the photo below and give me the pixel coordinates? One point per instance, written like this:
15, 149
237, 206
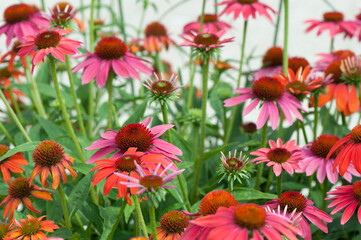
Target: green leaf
53, 130
84, 168
242, 194
79, 194
54, 210
109, 215
30, 146
183, 145
138, 113
62, 233
128, 211
209, 154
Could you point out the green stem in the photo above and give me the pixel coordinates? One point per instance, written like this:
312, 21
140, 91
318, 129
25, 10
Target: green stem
153, 220
63, 109
280, 127
343, 119
215, 7
6, 133
277, 23
201, 20
64, 206
14, 117
315, 122
110, 99
16, 105
279, 185
122, 23
119, 217
140, 26
269, 180
140, 215
324, 193
43, 5
297, 132
198, 167
332, 44
193, 67
304, 131
260, 166
159, 63
240, 72
37, 99
285, 44
165, 120
75, 98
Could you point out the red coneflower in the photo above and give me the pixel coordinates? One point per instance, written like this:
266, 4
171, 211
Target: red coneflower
11, 163
295, 63
156, 37
31, 228
49, 157
172, 225
20, 189
271, 63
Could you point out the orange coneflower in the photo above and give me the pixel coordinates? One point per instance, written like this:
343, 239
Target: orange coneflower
31, 228
156, 37
11, 163
49, 157
172, 225
5, 228
13, 53
19, 191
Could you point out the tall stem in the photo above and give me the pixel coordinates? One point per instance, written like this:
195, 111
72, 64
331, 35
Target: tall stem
110, 99
277, 23
153, 220
193, 67
64, 206
75, 98
260, 166
159, 62
63, 109
198, 167
279, 185
165, 120
315, 122
14, 117
201, 20
324, 193
43, 5
16, 105
138, 210
280, 127
215, 7
240, 72
122, 23
6, 133
119, 217
140, 26
285, 44
332, 44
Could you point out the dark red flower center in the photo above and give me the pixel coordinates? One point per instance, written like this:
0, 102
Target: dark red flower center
4, 229
247, 1
234, 163
250, 216
17, 13
296, 86
30, 227
134, 135
3, 150
155, 29
343, 54
110, 48
356, 134
151, 181
268, 89
295, 63
278, 155
249, 127
5, 73
16, 48
126, 162
293, 200
333, 17
174, 222
335, 69
208, 18
162, 87
48, 153
357, 189
62, 12
215, 199
206, 39
323, 144
20, 188
273, 57
47, 39
358, 16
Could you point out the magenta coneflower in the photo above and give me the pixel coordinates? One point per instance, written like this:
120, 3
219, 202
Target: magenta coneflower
211, 23
295, 200
348, 197
134, 135
111, 53
247, 220
332, 21
21, 20
279, 156
314, 159
153, 181
206, 41
271, 94
247, 8
49, 42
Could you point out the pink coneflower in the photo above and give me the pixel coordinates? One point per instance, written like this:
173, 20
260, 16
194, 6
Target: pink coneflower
327, 58
21, 20
332, 21
210, 24
271, 94
63, 13
134, 135
247, 8
348, 197
350, 151
111, 53
161, 86
247, 220
314, 159
151, 182
125, 164
49, 42
294, 200
156, 37
279, 156
206, 41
